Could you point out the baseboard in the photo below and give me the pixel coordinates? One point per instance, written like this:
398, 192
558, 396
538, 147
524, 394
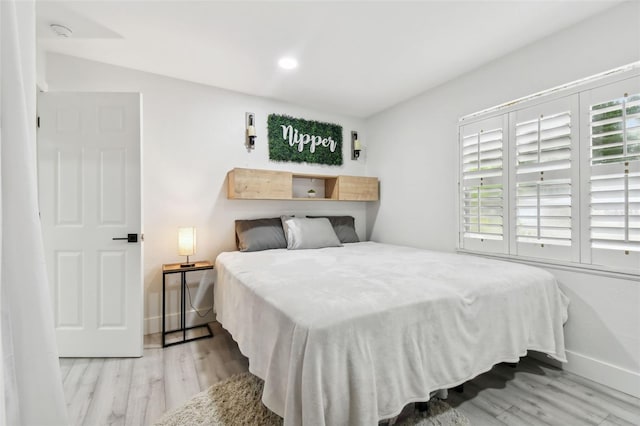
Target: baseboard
604, 373
154, 324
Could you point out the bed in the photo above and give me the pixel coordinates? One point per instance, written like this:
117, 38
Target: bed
349, 335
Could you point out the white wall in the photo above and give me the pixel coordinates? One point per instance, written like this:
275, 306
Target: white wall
412, 149
193, 135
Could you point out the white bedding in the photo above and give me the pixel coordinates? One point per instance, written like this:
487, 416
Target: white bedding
350, 335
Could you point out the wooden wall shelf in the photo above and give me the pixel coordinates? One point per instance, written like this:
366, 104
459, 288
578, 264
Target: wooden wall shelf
256, 184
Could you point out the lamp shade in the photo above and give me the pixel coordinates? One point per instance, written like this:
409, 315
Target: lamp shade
186, 241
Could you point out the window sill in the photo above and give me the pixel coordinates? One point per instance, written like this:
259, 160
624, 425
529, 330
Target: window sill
565, 266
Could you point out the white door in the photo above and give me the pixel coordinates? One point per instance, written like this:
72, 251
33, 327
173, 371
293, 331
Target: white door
90, 193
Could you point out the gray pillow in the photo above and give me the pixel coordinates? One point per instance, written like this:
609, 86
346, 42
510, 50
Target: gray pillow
344, 227
306, 233
260, 234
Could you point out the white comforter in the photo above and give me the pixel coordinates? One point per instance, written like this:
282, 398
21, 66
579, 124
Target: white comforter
349, 335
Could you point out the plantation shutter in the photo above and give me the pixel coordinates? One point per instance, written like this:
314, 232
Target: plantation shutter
556, 177
482, 185
543, 207
544, 139
614, 185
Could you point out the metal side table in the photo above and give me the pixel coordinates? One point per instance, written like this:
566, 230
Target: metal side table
175, 268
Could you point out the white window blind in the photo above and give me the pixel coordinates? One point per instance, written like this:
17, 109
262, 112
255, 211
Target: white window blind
556, 178
482, 188
543, 180
615, 174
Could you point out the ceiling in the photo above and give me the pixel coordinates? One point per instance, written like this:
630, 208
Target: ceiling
356, 58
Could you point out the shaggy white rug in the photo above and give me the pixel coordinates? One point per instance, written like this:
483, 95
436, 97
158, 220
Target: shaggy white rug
236, 401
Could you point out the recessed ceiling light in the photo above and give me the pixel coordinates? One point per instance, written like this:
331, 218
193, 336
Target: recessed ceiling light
288, 63
61, 30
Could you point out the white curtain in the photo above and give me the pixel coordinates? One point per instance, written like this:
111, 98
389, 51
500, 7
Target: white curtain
31, 391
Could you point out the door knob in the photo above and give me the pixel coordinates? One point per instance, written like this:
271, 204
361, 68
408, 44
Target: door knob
131, 238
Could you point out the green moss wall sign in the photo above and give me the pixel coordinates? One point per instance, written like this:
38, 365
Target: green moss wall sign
304, 141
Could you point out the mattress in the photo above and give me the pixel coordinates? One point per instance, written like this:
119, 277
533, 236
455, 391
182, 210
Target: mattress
350, 335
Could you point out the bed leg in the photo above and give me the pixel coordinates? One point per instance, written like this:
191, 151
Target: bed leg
459, 388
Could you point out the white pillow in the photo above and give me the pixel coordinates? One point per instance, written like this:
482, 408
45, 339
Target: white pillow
306, 233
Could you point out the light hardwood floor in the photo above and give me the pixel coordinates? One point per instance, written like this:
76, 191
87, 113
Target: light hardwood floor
126, 391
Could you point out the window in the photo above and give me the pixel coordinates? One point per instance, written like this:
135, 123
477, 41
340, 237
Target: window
482, 185
483, 199
569, 164
614, 174
545, 144
544, 206
615, 130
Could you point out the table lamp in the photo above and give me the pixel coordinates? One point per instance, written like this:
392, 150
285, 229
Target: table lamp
187, 244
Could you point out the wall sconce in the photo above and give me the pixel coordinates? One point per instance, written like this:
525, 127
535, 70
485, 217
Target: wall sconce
356, 146
187, 244
251, 130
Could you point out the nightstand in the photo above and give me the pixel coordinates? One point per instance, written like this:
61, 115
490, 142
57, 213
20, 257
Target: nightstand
175, 268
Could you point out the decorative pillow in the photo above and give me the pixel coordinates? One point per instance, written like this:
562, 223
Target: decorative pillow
307, 233
345, 228
285, 227
260, 234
